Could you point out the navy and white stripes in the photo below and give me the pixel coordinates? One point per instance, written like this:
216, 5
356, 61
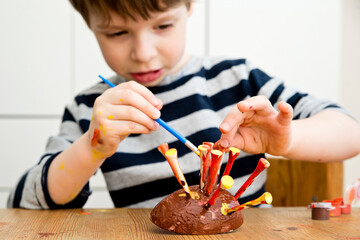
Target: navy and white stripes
195, 100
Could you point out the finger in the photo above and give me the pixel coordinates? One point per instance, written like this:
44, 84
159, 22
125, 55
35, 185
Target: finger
132, 98
124, 127
143, 91
285, 113
258, 103
129, 113
232, 119
229, 126
226, 139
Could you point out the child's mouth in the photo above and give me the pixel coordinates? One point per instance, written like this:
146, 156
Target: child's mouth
146, 77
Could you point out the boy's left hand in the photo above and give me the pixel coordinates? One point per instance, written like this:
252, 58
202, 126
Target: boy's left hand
254, 126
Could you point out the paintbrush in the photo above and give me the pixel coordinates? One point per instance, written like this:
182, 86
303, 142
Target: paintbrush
166, 126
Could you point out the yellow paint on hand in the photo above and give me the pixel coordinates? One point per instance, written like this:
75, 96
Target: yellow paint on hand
121, 100
224, 209
103, 129
96, 155
182, 195
62, 166
99, 112
110, 117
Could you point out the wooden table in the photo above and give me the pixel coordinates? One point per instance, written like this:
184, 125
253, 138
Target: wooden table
122, 223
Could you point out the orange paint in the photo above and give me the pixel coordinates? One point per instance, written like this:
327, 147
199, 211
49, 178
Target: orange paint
84, 213
96, 138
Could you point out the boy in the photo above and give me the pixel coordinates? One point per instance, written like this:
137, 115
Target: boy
206, 99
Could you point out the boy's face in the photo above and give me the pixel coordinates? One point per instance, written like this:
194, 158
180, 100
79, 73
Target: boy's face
144, 50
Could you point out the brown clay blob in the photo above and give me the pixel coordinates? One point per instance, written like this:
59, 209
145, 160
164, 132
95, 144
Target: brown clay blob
185, 215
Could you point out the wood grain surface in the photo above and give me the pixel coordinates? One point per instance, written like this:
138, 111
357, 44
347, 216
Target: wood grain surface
129, 224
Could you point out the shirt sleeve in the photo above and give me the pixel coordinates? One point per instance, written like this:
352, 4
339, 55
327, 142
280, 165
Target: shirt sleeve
304, 104
31, 192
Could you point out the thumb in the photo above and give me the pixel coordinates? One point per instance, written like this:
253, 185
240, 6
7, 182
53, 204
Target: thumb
285, 113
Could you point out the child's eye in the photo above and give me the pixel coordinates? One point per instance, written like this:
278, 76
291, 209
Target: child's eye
116, 34
164, 26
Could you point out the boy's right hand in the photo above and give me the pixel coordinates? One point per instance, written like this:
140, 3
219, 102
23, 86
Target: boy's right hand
127, 108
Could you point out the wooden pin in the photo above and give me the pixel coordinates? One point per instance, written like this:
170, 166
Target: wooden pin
266, 198
262, 164
163, 148
204, 163
233, 154
210, 144
172, 158
216, 157
225, 183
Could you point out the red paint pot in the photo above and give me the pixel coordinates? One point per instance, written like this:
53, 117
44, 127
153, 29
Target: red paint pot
345, 208
336, 212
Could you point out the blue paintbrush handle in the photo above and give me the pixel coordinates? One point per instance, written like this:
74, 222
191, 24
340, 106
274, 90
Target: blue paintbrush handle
171, 130
164, 125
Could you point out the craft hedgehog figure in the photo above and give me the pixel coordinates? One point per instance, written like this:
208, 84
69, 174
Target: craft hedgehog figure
205, 208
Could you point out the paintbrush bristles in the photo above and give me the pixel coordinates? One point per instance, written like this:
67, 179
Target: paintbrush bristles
262, 164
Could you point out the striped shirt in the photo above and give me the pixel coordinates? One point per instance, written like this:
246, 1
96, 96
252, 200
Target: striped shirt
196, 100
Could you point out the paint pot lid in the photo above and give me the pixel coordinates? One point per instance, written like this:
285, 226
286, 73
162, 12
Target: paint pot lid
321, 205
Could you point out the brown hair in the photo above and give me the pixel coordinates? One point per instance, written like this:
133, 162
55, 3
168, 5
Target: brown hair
125, 8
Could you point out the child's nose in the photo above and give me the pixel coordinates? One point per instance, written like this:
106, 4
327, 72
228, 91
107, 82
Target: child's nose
144, 49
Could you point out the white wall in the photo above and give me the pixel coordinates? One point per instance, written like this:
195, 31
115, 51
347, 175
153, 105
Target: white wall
48, 54
350, 72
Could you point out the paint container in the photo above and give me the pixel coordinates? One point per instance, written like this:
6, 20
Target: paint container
344, 208
320, 210
336, 211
